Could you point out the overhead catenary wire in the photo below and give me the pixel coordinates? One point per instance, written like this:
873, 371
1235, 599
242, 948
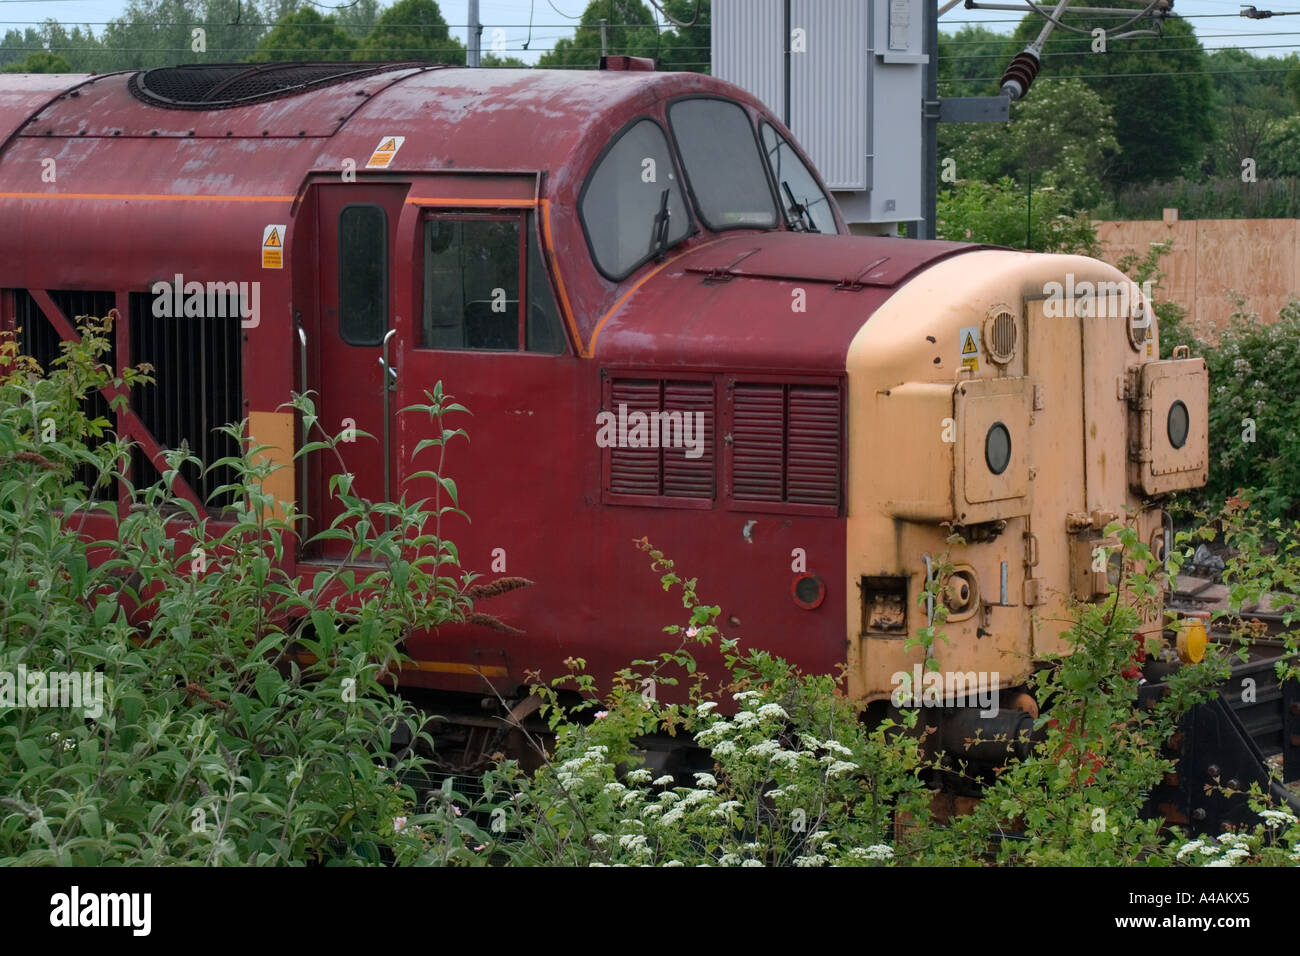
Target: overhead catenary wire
1121, 76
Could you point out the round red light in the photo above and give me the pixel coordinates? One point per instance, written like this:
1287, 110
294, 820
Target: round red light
808, 591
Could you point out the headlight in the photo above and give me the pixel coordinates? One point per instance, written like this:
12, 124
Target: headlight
1179, 424
997, 448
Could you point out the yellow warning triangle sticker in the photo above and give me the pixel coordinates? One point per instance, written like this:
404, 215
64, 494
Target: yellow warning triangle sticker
388, 147
273, 240
968, 346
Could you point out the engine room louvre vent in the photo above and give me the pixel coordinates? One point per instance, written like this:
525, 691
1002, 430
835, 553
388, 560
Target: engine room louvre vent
197, 388
671, 455
195, 87
786, 443
39, 339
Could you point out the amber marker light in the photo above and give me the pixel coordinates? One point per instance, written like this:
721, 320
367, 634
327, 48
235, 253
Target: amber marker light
1192, 640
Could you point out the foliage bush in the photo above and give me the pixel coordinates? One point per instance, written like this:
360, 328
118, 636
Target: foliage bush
995, 213
248, 717
1218, 197
244, 714
798, 778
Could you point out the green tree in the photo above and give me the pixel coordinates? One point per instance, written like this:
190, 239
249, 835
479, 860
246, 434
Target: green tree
305, 35
1277, 148
39, 62
1242, 79
687, 48
995, 213
503, 62
629, 30
1154, 87
412, 30
971, 59
153, 33
358, 19
79, 50
17, 44
1293, 85
1061, 135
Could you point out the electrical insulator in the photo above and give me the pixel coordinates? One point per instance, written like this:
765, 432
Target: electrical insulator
1021, 72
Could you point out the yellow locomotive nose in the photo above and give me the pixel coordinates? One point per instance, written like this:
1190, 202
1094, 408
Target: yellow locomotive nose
1031, 412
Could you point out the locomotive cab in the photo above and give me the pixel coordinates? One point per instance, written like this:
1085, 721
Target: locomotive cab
646, 297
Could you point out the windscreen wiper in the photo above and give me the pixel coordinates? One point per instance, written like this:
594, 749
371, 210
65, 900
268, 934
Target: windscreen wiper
804, 220
659, 237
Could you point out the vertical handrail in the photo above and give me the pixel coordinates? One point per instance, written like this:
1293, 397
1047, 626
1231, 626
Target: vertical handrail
389, 383
929, 597
1167, 527
302, 464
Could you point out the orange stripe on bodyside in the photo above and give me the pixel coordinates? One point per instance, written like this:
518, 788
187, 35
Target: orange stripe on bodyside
488, 203
559, 280
148, 197
453, 667
591, 346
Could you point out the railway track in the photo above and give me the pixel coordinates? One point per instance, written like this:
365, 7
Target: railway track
1252, 730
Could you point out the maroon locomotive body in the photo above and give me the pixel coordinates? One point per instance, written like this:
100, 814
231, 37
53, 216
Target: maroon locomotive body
506, 232
646, 297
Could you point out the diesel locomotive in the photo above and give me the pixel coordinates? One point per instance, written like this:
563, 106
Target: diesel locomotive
640, 287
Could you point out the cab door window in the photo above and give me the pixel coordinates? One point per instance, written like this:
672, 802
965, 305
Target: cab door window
474, 270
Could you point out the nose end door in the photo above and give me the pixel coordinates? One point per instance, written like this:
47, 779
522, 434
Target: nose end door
1170, 431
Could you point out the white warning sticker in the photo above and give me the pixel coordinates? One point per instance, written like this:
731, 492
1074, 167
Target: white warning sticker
273, 247
385, 151
970, 347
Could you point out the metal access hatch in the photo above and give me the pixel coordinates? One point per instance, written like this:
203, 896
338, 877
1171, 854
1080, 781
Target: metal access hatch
1169, 426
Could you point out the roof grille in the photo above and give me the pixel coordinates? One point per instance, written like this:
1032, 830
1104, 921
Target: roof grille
197, 87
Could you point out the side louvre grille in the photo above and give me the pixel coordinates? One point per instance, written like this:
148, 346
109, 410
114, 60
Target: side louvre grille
813, 450
39, 339
786, 444
653, 457
197, 388
686, 477
758, 442
634, 471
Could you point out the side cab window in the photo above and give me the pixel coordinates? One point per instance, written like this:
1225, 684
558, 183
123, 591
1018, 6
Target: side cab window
475, 268
807, 208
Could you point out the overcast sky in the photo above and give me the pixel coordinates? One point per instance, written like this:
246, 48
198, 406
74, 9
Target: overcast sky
1217, 22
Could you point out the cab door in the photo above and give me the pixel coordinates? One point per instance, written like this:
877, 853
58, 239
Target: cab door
354, 316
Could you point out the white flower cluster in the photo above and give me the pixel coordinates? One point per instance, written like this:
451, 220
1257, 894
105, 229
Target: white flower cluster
875, 852
572, 774
640, 818
1228, 850
1276, 818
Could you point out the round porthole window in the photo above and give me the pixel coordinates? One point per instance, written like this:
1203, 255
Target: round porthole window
997, 448
1179, 424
